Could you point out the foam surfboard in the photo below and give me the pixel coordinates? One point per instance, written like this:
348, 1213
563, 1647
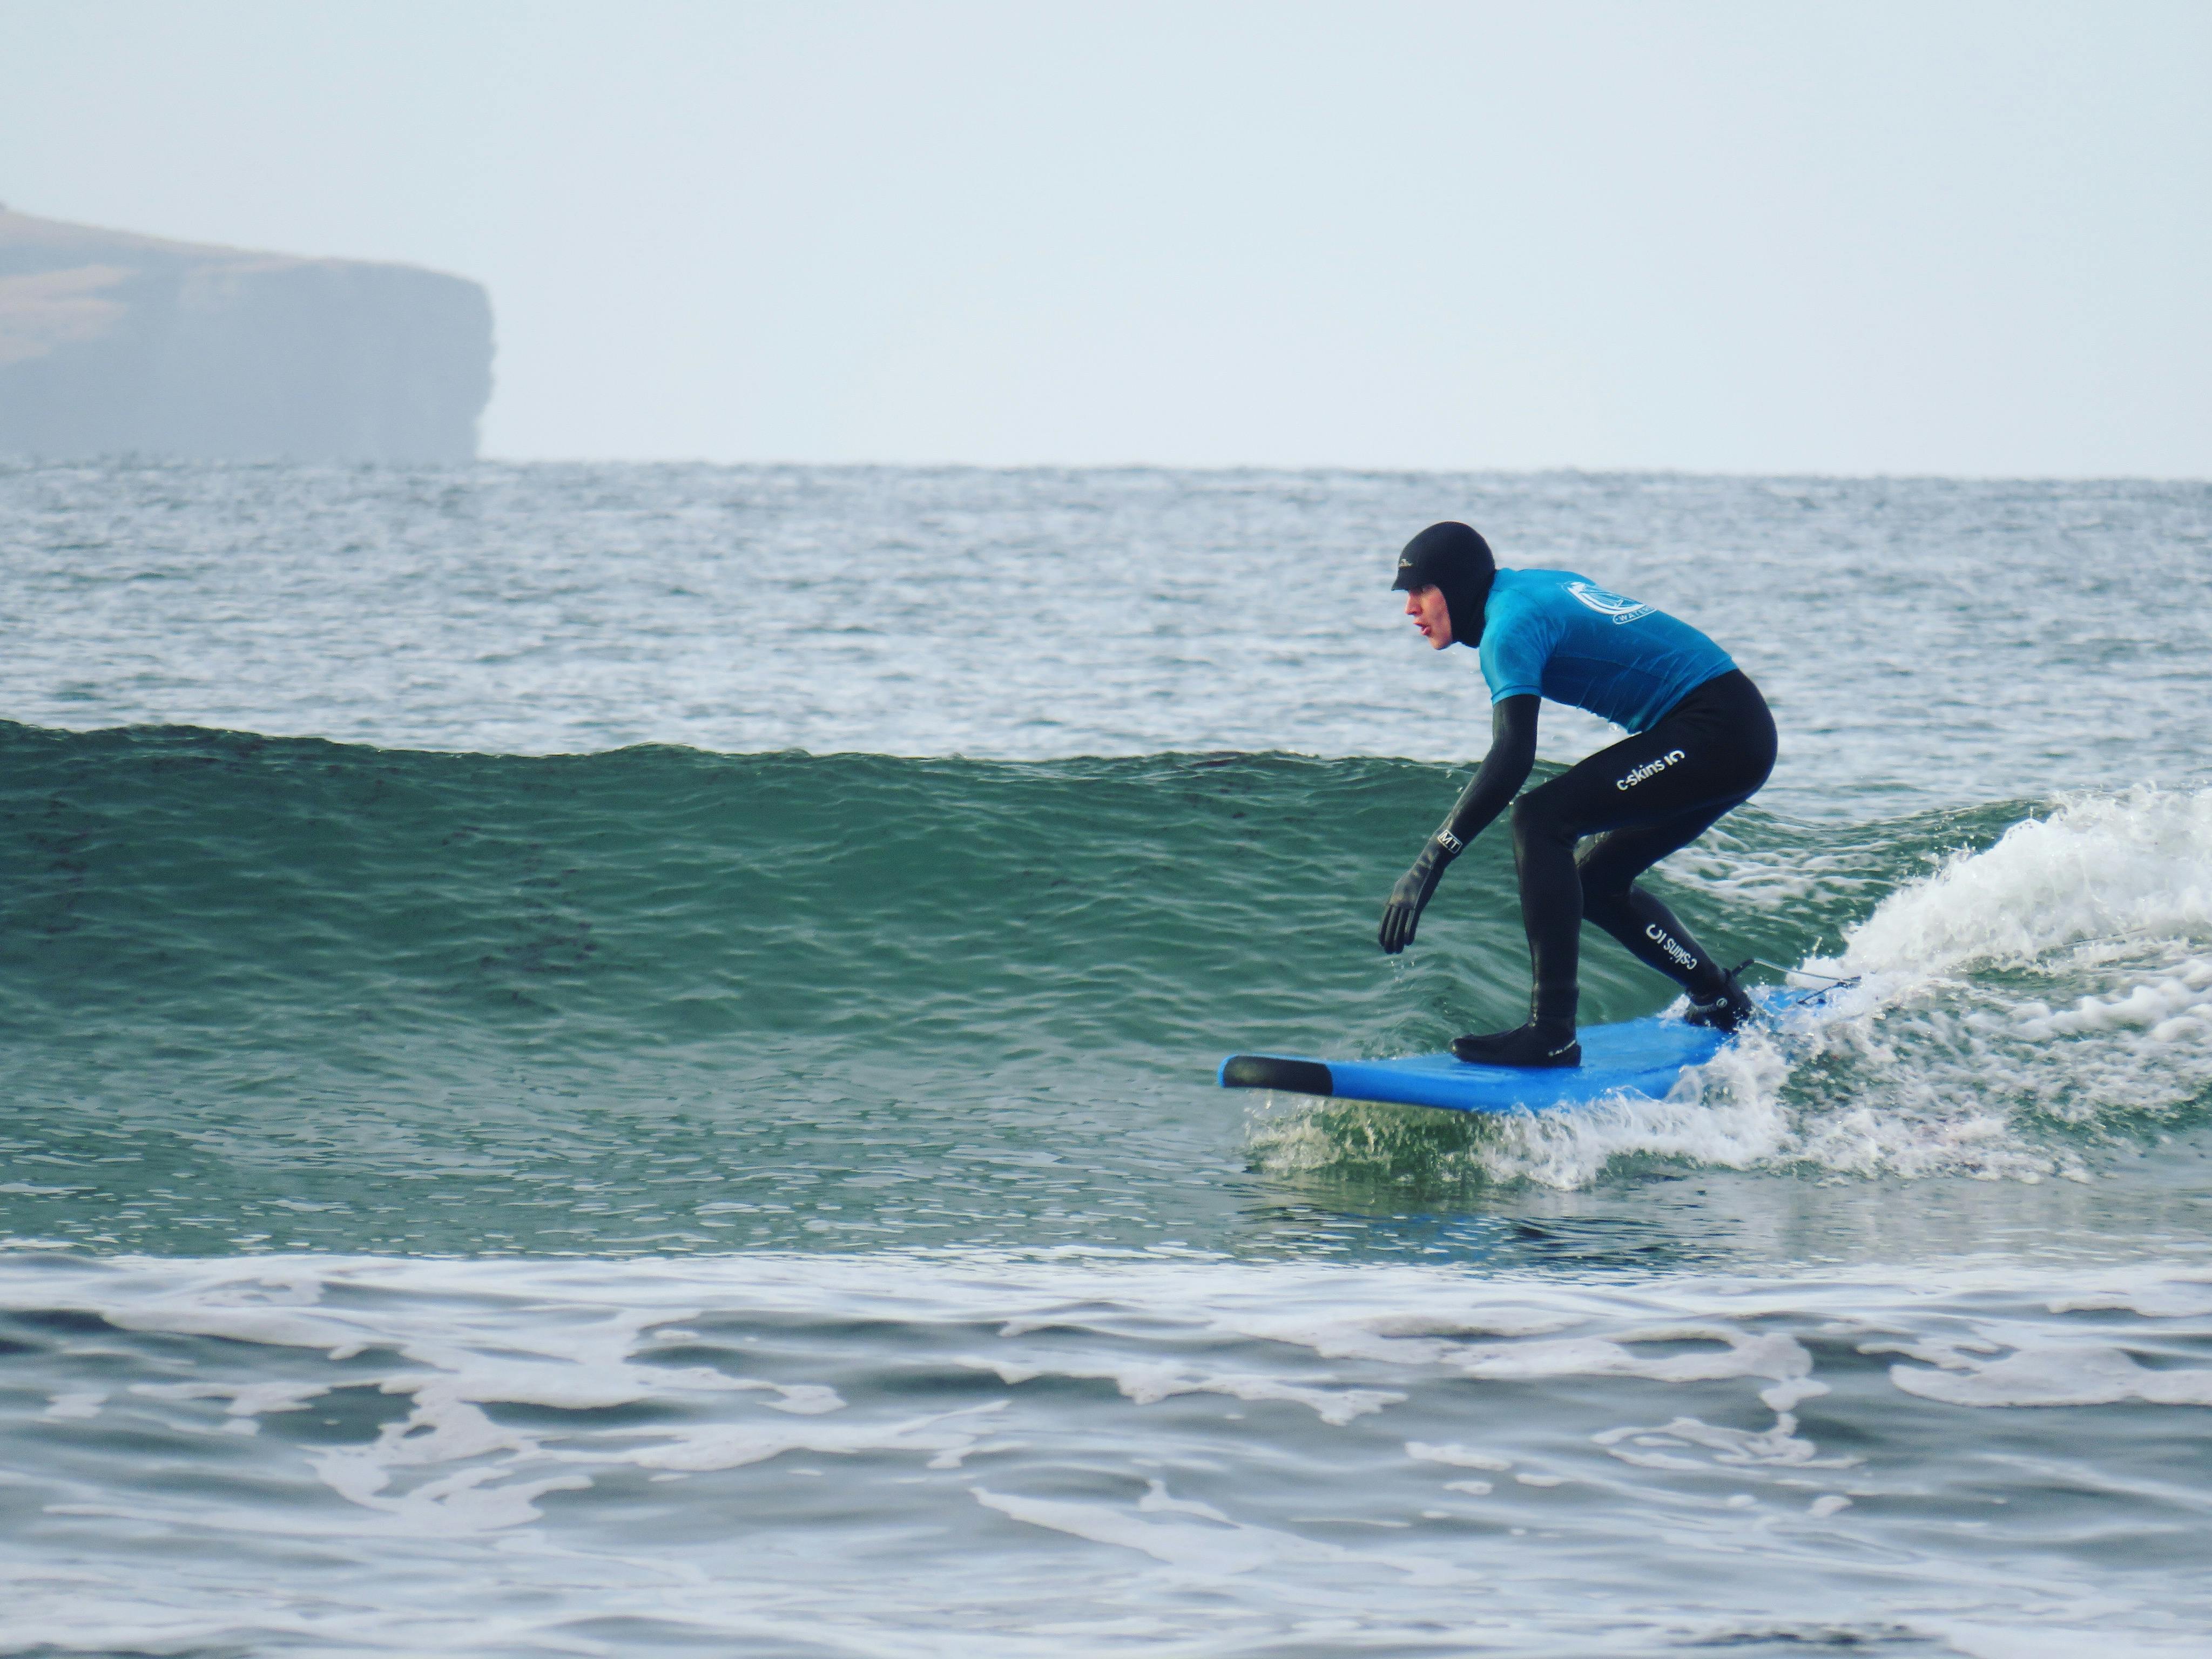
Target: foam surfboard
1636, 1057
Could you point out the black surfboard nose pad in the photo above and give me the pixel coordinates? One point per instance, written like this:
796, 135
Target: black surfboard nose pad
1297, 1077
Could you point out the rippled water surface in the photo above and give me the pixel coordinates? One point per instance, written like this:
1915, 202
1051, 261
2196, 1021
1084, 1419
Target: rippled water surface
1930, 643
618, 1059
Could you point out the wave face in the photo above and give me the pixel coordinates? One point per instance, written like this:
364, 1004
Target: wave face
659, 999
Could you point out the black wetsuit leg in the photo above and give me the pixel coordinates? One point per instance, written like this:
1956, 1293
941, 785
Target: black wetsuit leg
1643, 797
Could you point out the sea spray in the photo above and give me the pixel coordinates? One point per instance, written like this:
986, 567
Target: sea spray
2016, 1009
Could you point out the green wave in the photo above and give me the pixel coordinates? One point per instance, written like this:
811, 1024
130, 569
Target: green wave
168, 889
257, 991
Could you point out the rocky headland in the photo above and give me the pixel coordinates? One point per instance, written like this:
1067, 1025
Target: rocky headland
112, 344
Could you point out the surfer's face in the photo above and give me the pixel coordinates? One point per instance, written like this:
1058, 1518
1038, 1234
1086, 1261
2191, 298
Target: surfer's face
1426, 606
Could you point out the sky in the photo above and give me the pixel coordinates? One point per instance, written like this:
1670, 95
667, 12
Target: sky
1961, 238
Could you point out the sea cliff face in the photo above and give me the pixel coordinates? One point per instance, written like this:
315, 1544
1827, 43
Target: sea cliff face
112, 344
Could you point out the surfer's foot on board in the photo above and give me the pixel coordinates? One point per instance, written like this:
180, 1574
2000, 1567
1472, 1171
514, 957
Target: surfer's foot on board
1525, 1046
1726, 1009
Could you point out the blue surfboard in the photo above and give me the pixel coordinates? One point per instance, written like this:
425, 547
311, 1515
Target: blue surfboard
1637, 1057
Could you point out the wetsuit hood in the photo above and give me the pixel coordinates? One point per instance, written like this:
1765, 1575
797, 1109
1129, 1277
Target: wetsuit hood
1454, 558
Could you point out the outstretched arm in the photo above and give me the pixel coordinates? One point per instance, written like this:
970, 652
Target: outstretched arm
1503, 771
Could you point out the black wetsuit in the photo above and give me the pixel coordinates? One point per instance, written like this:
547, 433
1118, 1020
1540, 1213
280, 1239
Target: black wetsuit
1640, 799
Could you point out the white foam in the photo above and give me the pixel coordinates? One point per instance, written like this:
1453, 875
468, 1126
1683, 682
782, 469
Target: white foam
1223, 1549
2184, 1295
2062, 1633
1933, 1065
2138, 863
695, 1451
1727, 1115
2055, 1376
1457, 1456
1567, 1447
1780, 1445
1734, 1353
463, 1337
247, 1400
2175, 1008
1149, 1382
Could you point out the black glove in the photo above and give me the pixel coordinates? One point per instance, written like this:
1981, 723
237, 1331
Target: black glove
1403, 915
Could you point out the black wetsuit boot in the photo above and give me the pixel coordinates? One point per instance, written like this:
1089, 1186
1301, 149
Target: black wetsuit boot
1529, 1047
1548, 1040
1726, 1009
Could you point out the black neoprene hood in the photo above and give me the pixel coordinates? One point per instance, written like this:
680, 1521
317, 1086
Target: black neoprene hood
1453, 557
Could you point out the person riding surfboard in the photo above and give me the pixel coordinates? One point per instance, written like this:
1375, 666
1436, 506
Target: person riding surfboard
1701, 743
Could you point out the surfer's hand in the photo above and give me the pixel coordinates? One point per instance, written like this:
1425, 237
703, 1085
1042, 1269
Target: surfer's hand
1402, 915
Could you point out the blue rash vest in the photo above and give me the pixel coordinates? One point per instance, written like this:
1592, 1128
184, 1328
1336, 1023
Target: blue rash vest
1553, 633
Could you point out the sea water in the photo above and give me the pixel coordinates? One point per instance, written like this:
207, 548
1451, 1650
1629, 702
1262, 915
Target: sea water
618, 1059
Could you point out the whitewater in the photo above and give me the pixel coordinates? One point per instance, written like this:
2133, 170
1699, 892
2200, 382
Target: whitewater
618, 1059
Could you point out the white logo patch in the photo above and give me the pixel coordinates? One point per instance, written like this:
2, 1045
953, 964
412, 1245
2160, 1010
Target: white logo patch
1615, 605
1658, 936
1650, 768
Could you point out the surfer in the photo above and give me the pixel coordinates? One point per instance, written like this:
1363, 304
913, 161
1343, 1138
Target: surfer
1701, 743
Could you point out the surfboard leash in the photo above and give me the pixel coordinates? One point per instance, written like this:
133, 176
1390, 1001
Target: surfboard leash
1829, 988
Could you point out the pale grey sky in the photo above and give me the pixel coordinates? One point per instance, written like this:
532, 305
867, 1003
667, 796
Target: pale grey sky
1965, 237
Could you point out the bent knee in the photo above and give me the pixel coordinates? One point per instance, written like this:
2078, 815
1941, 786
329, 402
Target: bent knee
1604, 901
1536, 816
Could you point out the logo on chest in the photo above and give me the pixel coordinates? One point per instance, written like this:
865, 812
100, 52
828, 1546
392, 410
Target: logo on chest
1615, 605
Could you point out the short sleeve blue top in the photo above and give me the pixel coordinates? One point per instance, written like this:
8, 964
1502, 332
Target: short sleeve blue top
1560, 636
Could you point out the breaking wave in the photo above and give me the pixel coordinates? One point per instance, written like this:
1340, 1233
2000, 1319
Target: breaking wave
2020, 1008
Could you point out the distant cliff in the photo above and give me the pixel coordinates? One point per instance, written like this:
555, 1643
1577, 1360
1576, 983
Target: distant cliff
112, 343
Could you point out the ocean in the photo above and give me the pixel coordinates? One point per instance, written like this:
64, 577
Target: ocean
618, 1059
